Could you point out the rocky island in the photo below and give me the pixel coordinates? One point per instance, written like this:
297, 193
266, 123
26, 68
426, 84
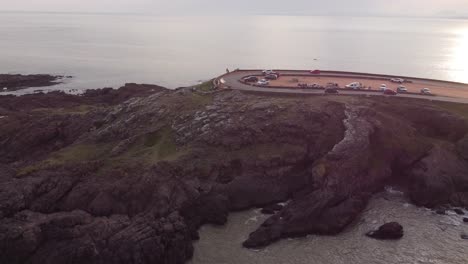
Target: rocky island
129, 175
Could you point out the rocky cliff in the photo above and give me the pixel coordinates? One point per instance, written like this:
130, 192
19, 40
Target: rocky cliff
128, 176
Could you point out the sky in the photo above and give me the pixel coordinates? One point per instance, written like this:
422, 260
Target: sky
448, 8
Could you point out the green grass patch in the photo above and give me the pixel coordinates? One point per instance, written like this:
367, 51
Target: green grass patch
266, 151
456, 108
206, 86
78, 110
201, 99
81, 152
69, 155
146, 151
153, 147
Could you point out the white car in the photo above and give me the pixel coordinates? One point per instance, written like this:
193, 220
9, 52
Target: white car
402, 89
383, 87
426, 91
267, 72
397, 80
263, 82
354, 85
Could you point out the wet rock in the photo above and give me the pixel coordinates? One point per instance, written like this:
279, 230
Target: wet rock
464, 236
465, 219
441, 212
391, 230
459, 211
267, 211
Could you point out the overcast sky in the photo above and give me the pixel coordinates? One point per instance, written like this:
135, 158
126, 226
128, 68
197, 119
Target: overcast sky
293, 7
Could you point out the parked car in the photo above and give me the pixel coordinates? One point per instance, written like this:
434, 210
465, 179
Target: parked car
263, 82
268, 72
402, 89
314, 85
426, 91
383, 87
389, 91
271, 77
303, 85
332, 85
315, 72
397, 80
251, 79
331, 91
354, 85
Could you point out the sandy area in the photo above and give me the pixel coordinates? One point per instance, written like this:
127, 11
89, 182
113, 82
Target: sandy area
438, 88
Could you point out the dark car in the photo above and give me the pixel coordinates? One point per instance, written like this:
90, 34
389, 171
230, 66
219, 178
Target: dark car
331, 91
251, 79
389, 92
271, 77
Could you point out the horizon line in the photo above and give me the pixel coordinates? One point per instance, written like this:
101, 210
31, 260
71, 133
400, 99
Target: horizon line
461, 17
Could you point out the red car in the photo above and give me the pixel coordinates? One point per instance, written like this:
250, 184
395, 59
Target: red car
389, 92
315, 72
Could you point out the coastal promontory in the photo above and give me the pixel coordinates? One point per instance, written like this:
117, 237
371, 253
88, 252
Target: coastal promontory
129, 175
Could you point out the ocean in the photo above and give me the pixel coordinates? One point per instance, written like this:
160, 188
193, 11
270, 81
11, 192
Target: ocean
428, 238
103, 50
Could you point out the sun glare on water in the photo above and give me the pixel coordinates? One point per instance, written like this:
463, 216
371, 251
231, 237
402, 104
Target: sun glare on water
459, 60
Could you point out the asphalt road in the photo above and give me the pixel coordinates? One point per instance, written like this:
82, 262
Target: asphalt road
231, 80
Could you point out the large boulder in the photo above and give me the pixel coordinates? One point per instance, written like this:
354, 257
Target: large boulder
391, 230
439, 178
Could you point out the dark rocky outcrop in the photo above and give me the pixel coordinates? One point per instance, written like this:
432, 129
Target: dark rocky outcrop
14, 82
129, 175
439, 178
391, 230
271, 209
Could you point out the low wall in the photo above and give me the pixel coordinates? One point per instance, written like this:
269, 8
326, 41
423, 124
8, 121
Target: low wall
360, 74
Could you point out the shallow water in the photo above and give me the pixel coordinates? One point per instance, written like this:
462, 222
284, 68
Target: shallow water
109, 50
429, 238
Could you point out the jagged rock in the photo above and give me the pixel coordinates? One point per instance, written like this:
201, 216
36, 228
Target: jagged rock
465, 219
439, 178
459, 211
391, 230
105, 178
